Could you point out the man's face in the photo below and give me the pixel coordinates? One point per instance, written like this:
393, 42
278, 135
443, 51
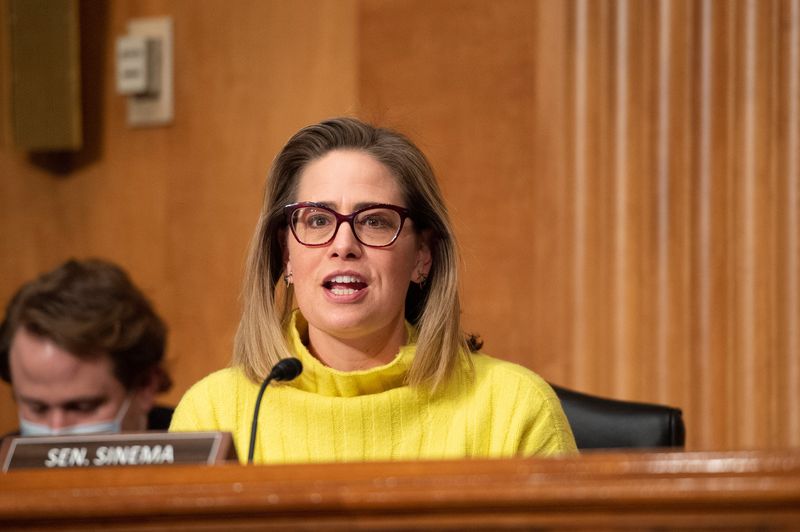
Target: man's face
55, 388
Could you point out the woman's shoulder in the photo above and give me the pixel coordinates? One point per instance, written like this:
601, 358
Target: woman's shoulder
212, 403
489, 365
224, 381
529, 399
502, 373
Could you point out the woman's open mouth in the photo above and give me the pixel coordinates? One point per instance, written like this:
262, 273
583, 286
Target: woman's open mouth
344, 285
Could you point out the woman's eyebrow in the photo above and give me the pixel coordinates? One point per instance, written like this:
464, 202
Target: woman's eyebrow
365, 204
333, 205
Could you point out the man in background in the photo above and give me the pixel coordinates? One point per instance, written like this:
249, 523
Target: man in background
83, 350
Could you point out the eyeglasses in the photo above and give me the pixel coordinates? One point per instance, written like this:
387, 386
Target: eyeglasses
315, 225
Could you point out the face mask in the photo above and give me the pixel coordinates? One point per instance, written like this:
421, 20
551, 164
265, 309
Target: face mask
114, 426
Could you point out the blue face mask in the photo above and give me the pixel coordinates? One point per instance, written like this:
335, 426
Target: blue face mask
113, 426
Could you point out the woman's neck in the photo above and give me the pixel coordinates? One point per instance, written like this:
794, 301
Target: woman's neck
357, 353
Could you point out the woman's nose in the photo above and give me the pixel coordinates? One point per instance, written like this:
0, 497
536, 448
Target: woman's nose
345, 243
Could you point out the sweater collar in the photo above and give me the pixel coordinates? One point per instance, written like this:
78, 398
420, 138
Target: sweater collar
320, 379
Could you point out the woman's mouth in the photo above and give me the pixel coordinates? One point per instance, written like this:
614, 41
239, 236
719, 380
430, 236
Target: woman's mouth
344, 285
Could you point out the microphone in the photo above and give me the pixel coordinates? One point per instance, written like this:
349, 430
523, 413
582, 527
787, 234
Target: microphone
286, 369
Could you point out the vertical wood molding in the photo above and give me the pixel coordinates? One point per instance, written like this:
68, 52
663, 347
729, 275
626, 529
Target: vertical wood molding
705, 375
747, 213
580, 345
664, 177
791, 243
623, 271
701, 117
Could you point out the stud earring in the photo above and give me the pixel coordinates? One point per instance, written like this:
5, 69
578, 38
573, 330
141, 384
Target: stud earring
422, 280
287, 279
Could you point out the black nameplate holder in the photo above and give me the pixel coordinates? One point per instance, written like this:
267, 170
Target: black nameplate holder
116, 450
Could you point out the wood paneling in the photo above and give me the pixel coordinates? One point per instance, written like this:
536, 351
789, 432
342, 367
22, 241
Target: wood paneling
623, 176
176, 205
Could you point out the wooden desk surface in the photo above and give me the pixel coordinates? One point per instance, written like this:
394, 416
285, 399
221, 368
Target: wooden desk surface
599, 491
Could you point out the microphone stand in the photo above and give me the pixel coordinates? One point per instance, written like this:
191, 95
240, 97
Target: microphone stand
285, 370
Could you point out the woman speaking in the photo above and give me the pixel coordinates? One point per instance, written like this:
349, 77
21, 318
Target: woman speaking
353, 270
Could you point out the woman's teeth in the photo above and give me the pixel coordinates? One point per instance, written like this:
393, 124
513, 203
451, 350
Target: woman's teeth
344, 285
343, 291
344, 279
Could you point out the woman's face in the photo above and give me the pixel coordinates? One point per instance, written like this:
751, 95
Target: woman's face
347, 290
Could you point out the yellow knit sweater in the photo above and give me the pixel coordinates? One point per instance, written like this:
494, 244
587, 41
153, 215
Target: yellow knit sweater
499, 410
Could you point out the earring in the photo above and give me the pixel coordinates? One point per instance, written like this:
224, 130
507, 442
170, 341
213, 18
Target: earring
422, 280
287, 279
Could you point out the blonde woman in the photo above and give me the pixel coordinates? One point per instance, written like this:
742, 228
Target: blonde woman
353, 270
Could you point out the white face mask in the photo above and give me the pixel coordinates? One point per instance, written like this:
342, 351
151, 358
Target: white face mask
113, 426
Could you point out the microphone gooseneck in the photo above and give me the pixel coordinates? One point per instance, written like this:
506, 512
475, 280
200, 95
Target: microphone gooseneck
286, 369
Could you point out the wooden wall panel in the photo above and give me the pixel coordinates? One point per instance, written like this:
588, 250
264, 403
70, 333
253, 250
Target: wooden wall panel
649, 250
623, 176
788, 166
176, 205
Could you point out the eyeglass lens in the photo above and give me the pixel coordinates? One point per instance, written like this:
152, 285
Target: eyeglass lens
373, 227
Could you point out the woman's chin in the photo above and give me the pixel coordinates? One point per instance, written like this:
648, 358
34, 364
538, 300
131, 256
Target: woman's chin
351, 322
347, 327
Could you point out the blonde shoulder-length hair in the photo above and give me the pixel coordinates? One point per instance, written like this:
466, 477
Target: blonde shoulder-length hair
434, 308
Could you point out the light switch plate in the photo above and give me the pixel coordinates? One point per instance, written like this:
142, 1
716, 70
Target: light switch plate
154, 109
132, 65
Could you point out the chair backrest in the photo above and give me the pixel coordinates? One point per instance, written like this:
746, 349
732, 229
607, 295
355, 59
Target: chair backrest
601, 423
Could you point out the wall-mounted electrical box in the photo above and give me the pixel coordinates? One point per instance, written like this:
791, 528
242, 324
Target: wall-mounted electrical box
44, 73
145, 71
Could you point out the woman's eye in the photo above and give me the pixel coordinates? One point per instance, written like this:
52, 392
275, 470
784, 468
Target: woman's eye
318, 220
376, 222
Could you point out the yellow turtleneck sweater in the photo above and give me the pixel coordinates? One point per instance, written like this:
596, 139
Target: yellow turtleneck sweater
499, 410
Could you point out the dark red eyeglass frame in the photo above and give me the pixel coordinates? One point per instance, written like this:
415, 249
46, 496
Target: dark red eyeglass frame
289, 210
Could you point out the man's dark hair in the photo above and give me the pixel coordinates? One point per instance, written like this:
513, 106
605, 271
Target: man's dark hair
90, 308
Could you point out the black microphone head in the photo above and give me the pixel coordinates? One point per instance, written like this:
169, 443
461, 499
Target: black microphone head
286, 369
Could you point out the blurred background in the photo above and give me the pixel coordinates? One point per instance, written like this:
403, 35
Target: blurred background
623, 177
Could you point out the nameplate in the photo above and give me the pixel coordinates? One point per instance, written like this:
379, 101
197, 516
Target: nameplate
115, 450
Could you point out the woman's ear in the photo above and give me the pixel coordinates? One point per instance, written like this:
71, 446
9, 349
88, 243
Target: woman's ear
424, 256
283, 235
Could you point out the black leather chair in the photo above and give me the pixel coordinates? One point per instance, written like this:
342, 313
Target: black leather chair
600, 423
159, 417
